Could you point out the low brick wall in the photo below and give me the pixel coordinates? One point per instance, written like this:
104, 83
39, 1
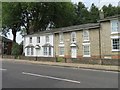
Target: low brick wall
68, 60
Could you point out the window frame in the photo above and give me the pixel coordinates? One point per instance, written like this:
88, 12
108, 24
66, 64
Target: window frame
47, 39
63, 51
73, 39
61, 38
84, 36
28, 50
115, 26
30, 39
86, 44
47, 51
112, 38
38, 39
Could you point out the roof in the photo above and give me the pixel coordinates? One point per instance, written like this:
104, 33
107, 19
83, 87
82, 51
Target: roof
109, 18
77, 27
68, 29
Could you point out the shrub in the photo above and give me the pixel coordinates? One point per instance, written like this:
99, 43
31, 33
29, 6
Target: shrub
16, 49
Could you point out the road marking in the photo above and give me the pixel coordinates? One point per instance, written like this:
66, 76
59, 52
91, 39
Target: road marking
50, 77
2, 69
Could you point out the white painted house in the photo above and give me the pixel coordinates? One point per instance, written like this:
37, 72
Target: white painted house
39, 44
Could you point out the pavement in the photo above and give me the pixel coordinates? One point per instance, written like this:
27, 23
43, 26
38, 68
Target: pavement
73, 65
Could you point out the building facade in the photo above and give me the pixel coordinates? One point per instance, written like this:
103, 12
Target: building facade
93, 41
38, 45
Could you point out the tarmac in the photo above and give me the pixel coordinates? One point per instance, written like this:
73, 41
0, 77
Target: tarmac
73, 65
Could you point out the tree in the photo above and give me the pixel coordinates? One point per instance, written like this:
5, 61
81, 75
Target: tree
82, 14
110, 10
94, 13
11, 14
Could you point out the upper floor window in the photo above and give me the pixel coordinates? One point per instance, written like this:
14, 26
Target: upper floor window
47, 39
73, 37
114, 26
85, 35
38, 39
30, 39
61, 38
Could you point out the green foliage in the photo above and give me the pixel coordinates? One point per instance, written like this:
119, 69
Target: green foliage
16, 49
111, 10
60, 59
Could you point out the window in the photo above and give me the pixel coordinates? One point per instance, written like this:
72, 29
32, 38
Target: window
61, 38
47, 51
61, 51
38, 39
86, 50
114, 26
30, 39
28, 51
85, 35
73, 37
31, 50
47, 39
116, 44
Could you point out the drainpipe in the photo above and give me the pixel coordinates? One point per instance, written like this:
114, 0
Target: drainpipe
100, 45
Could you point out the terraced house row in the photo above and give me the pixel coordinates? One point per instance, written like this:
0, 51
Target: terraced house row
87, 42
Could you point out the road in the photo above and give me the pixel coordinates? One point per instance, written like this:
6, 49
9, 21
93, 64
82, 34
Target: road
27, 75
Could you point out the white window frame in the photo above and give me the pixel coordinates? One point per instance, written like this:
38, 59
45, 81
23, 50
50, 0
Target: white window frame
47, 39
61, 53
30, 39
85, 37
47, 51
28, 51
115, 37
86, 44
117, 26
61, 38
73, 38
38, 39
32, 50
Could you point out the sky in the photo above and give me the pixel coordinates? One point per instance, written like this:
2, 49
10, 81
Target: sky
87, 3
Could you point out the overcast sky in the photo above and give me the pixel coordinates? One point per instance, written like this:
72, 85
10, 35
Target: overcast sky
98, 3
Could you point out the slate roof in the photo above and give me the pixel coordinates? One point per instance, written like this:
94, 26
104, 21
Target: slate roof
110, 18
68, 29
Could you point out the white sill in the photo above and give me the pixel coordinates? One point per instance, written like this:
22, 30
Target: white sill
86, 56
61, 55
115, 32
73, 42
61, 42
86, 40
115, 50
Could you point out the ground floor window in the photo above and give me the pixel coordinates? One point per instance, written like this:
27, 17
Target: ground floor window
61, 51
30, 50
86, 50
47, 50
116, 44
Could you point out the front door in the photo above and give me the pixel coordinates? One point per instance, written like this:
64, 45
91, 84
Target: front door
73, 52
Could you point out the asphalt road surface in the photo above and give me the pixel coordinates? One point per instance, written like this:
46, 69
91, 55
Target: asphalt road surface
26, 75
